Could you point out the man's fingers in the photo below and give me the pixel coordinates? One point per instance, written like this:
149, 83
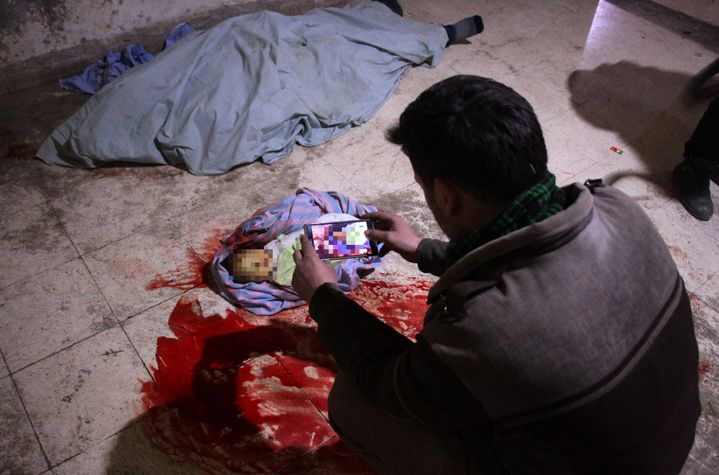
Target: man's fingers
297, 257
374, 215
379, 236
307, 249
382, 219
376, 235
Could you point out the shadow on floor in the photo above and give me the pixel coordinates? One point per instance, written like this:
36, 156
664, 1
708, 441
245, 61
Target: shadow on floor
646, 107
139, 451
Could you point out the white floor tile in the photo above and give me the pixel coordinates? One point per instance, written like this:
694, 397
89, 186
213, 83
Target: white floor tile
84, 394
124, 270
706, 324
50, 311
696, 254
146, 328
128, 452
105, 207
31, 241
19, 187
19, 447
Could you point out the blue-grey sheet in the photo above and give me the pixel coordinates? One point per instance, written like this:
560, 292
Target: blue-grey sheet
248, 89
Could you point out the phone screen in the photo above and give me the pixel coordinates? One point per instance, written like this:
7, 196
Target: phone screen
341, 240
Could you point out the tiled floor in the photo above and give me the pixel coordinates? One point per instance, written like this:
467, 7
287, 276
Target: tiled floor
79, 327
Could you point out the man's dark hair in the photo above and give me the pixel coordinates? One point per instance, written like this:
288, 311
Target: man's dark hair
476, 133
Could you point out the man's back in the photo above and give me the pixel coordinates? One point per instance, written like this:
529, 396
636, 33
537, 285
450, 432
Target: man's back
576, 339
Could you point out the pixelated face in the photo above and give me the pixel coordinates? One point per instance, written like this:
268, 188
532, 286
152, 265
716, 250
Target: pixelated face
252, 265
341, 240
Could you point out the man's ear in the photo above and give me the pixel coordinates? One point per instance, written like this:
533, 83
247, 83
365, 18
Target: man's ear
446, 196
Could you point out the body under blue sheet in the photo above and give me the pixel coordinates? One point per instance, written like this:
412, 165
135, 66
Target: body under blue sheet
247, 89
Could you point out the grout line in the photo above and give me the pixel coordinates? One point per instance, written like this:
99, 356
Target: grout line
309, 398
182, 292
14, 372
142, 229
27, 414
54, 215
138, 354
166, 220
71, 457
96, 443
117, 320
28, 277
99, 290
117, 324
29, 207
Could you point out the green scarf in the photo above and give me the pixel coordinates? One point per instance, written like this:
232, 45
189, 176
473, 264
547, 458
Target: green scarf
539, 202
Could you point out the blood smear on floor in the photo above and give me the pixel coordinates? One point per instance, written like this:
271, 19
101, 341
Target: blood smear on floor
232, 394
192, 273
704, 368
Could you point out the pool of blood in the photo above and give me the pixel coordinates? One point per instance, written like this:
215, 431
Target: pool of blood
241, 393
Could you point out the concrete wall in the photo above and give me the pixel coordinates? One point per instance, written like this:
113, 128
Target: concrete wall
46, 39
30, 28
705, 10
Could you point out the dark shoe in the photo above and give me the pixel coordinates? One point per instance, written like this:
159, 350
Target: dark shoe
693, 184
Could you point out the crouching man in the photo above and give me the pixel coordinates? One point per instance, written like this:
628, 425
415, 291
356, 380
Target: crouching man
559, 337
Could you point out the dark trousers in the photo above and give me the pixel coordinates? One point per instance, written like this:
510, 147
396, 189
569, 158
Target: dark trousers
390, 444
704, 142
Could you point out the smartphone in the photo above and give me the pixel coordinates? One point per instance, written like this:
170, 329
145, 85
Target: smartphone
341, 240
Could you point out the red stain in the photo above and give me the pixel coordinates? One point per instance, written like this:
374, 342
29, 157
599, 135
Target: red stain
249, 394
704, 368
696, 302
678, 253
23, 151
398, 305
194, 272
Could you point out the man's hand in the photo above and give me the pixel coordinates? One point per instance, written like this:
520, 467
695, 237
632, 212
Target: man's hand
396, 234
310, 272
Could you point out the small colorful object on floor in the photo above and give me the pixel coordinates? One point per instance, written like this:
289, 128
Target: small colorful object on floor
616, 150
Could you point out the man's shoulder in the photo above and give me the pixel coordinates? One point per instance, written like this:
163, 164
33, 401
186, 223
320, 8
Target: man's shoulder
598, 289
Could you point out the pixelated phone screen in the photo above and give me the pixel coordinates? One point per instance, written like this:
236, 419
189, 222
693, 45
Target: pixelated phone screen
341, 240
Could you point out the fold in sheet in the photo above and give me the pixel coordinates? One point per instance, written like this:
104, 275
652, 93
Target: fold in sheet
249, 88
